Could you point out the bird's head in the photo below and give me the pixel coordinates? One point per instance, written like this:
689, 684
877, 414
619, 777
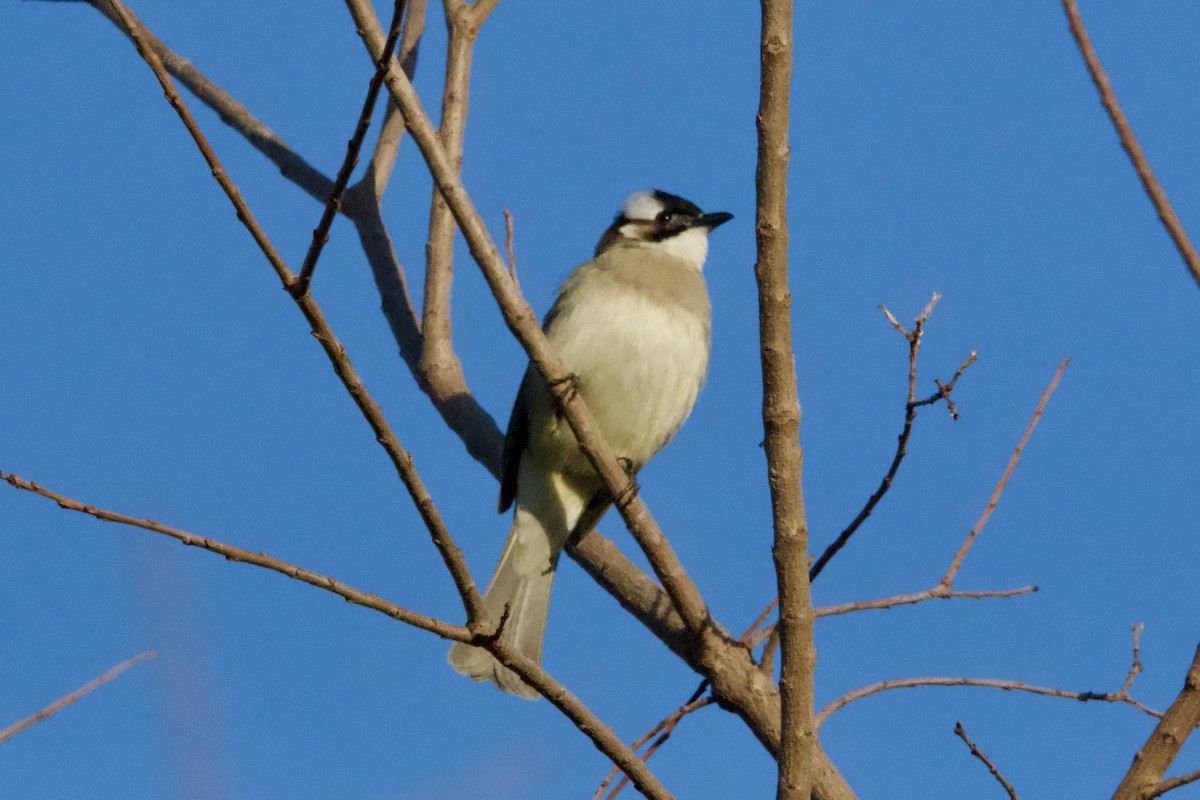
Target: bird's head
666, 222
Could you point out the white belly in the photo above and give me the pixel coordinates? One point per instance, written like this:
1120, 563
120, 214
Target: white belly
639, 369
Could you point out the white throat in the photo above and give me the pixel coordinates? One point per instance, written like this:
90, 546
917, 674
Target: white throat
690, 246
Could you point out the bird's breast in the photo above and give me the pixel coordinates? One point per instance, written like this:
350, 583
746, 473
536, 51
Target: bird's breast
639, 363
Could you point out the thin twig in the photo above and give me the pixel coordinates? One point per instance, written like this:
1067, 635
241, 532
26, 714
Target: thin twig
66, 700
663, 731
1128, 141
237, 554
321, 233
987, 762
937, 592
987, 683
1122, 695
402, 461
911, 405
956, 564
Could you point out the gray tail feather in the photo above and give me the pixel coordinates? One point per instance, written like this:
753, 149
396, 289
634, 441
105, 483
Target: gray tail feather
526, 594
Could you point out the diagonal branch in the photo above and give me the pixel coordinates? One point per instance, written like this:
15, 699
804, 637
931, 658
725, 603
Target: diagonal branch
1108, 98
987, 762
237, 554
603, 737
994, 500
321, 233
336, 352
292, 165
66, 700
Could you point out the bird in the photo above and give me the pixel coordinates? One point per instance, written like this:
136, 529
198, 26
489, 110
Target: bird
633, 328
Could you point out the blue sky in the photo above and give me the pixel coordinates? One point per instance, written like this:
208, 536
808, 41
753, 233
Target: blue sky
151, 365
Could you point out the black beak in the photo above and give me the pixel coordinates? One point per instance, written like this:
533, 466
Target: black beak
710, 221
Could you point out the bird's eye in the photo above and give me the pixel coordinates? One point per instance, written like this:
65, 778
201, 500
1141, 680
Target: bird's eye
665, 216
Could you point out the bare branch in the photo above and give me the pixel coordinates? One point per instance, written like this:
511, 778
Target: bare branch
444, 629
291, 165
1128, 141
602, 736
988, 683
439, 362
1145, 777
336, 352
66, 700
910, 415
383, 159
321, 232
781, 406
1174, 783
987, 762
956, 564
937, 592
663, 731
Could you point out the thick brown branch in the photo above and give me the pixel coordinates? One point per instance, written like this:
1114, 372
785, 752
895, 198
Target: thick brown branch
987, 762
231, 553
1144, 778
66, 700
1128, 141
336, 352
781, 406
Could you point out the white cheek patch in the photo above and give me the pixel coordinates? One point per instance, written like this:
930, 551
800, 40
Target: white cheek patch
641, 205
691, 246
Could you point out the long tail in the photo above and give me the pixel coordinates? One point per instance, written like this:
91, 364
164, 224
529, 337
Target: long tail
546, 513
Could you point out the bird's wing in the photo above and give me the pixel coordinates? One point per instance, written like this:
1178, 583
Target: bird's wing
515, 440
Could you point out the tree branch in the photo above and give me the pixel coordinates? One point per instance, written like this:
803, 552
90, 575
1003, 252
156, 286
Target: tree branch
360, 598
1137, 157
321, 232
1144, 778
66, 700
439, 362
956, 564
781, 406
336, 352
987, 762
911, 405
